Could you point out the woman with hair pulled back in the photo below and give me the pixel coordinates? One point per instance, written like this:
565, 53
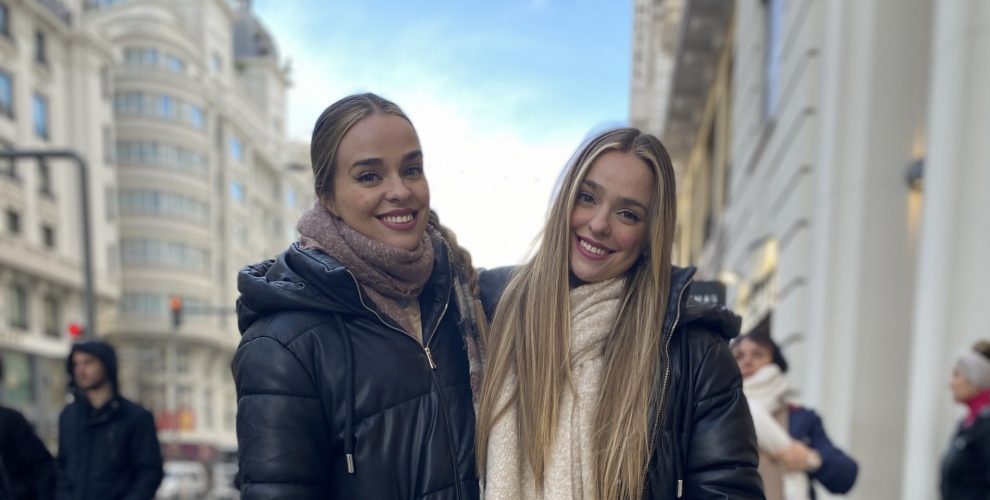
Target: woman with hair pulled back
353, 373
966, 465
601, 381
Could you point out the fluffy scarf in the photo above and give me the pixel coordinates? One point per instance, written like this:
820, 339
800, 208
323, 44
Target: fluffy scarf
569, 473
387, 275
766, 391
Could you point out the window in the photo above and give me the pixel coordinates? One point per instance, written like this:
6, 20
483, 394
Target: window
45, 178
140, 58
39, 104
40, 52
290, 197
215, 62
52, 319
143, 202
236, 149
774, 14
166, 107
155, 154
48, 236
174, 64
6, 94
129, 103
194, 116
17, 306
237, 191
4, 20
13, 221
155, 253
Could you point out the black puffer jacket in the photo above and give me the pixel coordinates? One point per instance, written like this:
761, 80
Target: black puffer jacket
321, 375
966, 465
705, 445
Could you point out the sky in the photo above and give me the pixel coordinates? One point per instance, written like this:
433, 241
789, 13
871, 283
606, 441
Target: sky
500, 92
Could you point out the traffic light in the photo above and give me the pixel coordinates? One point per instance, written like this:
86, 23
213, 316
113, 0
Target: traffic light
175, 305
76, 331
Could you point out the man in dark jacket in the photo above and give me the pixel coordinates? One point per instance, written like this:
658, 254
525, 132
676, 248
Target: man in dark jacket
27, 470
107, 446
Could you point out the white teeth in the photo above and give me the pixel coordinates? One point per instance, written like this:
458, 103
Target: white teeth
593, 249
398, 219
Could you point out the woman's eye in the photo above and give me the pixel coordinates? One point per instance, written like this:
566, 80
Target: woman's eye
367, 177
414, 170
629, 216
584, 197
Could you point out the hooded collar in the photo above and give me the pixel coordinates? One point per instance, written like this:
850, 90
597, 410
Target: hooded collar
104, 352
306, 279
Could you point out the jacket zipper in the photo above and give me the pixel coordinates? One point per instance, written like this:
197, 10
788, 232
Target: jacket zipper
429, 358
436, 378
663, 393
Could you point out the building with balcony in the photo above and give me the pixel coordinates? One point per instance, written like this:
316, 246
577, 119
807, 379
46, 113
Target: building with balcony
179, 109
830, 172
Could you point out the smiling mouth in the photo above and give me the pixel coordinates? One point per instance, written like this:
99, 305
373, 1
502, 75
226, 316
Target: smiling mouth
591, 248
398, 219
402, 220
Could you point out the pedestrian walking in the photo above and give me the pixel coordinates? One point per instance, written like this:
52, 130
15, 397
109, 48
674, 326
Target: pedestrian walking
107, 445
601, 381
27, 469
353, 373
795, 450
966, 466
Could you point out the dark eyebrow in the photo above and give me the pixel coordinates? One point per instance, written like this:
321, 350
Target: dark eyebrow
378, 162
625, 201
368, 162
635, 203
592, 184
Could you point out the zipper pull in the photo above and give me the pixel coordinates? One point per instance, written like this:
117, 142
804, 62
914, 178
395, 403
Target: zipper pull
429, 357
680, 488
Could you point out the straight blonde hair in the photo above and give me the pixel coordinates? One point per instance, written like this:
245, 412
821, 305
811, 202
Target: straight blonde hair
531, 333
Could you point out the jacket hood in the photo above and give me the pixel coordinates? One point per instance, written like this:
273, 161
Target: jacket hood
718, 319
104, 352
300, 279
306, 279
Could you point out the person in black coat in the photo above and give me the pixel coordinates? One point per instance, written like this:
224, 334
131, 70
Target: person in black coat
27, 470
966, 466
358, 343
107, 446
601, 380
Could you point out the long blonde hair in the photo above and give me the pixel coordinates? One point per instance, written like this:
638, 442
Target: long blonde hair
531, 333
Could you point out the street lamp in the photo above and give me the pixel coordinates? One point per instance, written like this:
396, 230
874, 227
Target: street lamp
89, 297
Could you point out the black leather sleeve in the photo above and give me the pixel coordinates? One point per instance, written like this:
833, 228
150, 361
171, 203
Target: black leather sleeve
281, 427
722, 456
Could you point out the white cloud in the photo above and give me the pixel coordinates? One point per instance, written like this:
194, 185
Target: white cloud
490, 174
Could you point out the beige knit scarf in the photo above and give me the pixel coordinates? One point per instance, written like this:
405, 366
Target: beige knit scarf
568, 474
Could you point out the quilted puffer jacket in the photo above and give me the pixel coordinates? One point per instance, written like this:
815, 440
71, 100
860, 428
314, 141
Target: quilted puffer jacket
703, 445
336, 401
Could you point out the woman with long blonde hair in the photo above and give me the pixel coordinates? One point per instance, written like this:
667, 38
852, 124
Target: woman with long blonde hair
601, 382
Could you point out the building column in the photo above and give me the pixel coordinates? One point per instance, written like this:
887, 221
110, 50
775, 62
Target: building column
953, 287
862, 269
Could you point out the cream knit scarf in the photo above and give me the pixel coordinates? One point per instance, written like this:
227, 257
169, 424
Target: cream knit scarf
766, 392
568, 474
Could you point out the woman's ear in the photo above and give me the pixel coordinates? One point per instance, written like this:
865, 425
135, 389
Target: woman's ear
327, 203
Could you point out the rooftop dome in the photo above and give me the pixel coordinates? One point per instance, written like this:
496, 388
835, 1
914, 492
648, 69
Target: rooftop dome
251, 39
